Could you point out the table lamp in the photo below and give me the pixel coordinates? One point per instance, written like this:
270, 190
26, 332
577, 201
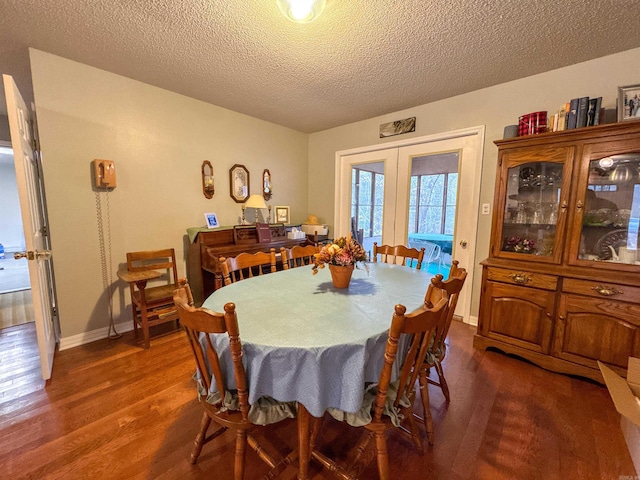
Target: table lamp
256, 202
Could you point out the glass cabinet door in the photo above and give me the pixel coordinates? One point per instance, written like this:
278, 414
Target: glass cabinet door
611, 210
534, 206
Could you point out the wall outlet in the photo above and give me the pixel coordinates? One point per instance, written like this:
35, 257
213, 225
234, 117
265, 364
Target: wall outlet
486, 208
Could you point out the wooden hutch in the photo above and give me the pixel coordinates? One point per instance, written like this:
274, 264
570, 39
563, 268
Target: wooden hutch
561, 286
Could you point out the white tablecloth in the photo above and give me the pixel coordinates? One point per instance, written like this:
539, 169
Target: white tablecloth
305, 341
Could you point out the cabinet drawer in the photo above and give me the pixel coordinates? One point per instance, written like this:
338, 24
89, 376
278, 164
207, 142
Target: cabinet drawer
523, 278
599, 289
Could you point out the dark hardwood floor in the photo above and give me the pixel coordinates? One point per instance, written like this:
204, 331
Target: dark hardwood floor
115, 411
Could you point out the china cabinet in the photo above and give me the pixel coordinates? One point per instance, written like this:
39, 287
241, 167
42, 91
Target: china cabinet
561, 286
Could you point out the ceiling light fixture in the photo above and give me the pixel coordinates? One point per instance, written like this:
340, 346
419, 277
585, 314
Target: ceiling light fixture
301, 11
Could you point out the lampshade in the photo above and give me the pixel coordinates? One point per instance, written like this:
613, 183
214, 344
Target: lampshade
255, 201
301, 11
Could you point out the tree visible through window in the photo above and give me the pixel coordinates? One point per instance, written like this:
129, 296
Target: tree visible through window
432, 203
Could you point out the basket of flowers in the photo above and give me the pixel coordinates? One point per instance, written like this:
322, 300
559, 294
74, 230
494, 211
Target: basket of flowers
342, 256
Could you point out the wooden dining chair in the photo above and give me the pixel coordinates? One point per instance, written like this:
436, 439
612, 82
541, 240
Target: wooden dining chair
246, 265
199, 324
298, 256
151, 305
420, 325
391, 254
438, 350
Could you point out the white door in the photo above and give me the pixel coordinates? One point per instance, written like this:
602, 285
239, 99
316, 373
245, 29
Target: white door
32, 207
399, 155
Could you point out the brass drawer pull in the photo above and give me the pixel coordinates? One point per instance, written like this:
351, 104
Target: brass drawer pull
607, 291
520, 278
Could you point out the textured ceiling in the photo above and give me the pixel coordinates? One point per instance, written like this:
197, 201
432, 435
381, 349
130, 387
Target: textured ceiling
360, 59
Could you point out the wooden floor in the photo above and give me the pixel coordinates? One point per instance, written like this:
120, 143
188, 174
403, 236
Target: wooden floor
16, 308
115, 411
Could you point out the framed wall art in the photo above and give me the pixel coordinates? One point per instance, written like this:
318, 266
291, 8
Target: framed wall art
239, 183
629, 103
398, 127
282, 214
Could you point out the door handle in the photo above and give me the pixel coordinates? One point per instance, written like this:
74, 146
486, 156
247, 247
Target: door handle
31, 255
463, 243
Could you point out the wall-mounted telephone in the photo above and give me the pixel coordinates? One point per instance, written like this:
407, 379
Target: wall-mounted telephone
104, 173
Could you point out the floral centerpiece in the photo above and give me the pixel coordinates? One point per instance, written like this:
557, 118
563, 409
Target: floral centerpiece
343, 251
344, 254
520, 245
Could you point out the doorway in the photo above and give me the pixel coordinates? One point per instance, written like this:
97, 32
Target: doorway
16, 303
432, 207
409, 192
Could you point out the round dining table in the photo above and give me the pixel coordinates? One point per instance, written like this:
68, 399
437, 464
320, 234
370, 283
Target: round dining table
304, 340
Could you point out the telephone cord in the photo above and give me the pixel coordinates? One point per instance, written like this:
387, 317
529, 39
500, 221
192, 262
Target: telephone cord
105, 260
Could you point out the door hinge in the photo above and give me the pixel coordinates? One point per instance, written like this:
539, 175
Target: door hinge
44, 230
54, 312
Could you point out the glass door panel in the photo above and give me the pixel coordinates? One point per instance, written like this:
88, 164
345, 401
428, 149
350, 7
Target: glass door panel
432, 208
532, 208
367, 203
612, 210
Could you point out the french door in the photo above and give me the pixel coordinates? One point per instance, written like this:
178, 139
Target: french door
394, 193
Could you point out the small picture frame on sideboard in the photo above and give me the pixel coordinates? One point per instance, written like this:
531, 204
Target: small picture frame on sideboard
629, 103
212, 220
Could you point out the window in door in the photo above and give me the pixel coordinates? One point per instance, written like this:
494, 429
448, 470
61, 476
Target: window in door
367, 203
432, 203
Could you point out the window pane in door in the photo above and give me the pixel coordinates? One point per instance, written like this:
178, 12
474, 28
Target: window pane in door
431, 203
450, 209
378, 205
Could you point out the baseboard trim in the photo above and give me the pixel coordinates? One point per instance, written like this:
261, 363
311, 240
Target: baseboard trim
92, 336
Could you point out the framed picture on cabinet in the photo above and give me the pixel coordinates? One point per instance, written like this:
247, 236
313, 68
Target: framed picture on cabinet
212, 220
282, 214
629, 103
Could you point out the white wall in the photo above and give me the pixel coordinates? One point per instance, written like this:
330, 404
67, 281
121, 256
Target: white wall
494, 107
158, 140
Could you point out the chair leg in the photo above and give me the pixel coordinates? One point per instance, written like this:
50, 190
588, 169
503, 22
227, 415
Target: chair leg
383, 458
415, 434
426, 406
443, 382
145, 327
200, 438
241, 449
